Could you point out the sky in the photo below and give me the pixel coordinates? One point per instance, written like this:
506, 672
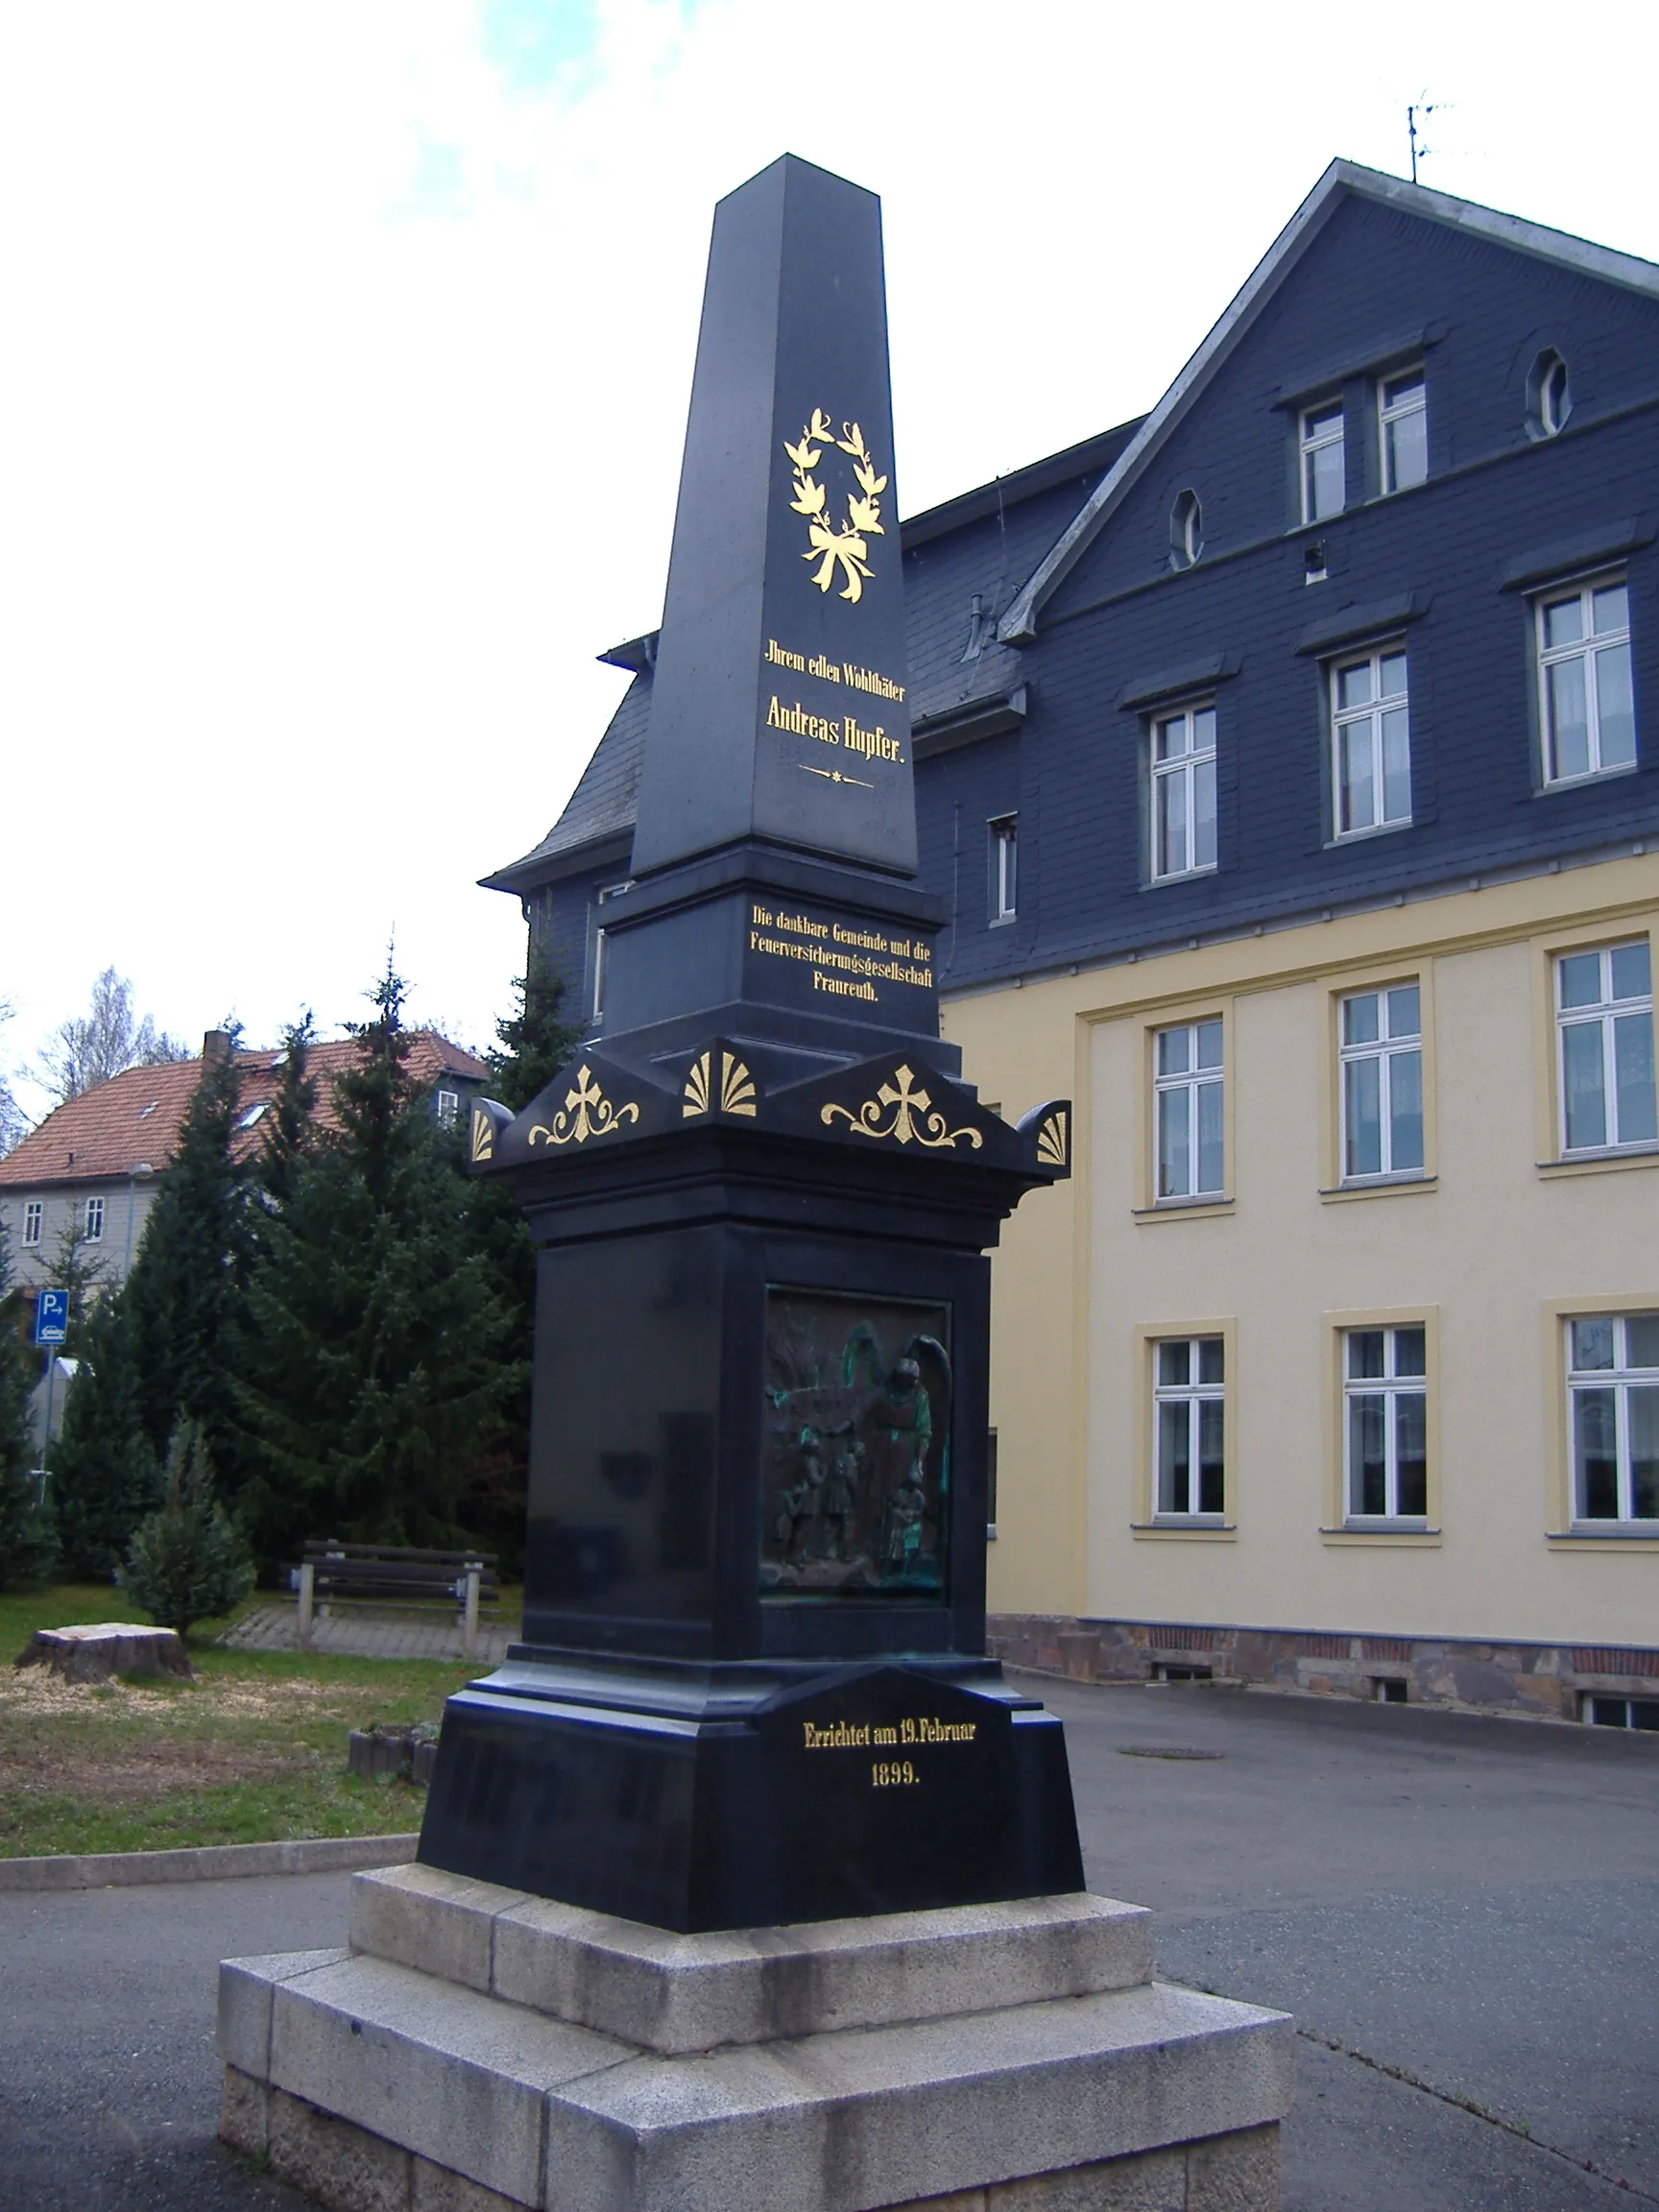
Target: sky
349, 346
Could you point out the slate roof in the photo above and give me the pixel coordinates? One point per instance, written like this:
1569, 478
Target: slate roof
984, 541
602, 803
136, 1117
1339, 181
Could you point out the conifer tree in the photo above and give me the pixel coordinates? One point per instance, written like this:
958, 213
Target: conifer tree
374, 1376
184, 1297
105, 1477
27, 1544
291, 1124
535, 1041
79, 1269
186, 1563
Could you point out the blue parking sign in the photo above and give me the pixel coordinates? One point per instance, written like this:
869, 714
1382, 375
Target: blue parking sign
51, 1317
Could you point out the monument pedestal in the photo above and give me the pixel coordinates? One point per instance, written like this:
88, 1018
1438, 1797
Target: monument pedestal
476, 2049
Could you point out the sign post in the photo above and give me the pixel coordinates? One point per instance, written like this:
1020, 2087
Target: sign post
51, 1329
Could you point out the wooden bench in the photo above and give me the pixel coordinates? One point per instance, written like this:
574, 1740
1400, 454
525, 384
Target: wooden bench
331, 1569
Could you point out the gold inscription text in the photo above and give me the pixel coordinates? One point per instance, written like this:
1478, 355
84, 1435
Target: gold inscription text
845, 961
866, 1735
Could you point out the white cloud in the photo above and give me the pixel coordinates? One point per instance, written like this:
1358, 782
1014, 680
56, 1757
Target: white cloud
349, 360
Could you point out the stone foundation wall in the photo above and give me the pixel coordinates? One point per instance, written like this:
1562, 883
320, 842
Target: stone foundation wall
1546, 1682
345, 2168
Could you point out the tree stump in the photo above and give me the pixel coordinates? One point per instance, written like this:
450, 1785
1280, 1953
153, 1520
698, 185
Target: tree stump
96, 1652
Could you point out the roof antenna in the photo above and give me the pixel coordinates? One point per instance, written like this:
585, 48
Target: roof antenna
1420, 106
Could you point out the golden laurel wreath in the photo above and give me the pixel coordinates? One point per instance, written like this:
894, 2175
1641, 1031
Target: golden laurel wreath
842, 550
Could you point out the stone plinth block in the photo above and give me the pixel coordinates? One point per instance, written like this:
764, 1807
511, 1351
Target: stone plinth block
677, 1993
1002, 2056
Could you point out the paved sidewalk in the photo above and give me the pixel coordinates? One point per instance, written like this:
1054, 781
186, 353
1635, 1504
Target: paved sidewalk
369, 1632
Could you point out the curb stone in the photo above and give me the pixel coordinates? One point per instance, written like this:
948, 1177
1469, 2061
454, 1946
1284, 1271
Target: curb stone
210, 1862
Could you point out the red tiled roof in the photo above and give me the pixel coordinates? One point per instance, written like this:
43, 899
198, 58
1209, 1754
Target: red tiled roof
135, 1120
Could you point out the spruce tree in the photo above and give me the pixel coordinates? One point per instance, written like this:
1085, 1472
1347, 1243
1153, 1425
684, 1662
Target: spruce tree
536, 1040
533, 1043
27, 1544
185, 1295
104, 1478
186, 1563
291, 1123
379, 1357
78, 1269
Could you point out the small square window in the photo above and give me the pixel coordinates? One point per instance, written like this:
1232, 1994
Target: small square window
1621, 1711
1324, 475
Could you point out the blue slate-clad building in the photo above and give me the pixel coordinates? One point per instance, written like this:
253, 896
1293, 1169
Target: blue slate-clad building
1290, 760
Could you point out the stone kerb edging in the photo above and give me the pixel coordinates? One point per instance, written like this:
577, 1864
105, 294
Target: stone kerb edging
210, 1862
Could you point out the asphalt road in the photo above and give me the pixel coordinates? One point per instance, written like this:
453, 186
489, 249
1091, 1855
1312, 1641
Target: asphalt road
1463, 1915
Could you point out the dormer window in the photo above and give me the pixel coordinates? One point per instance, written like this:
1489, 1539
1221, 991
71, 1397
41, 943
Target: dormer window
1402, 419
1186, 531
1324, 478
1548, 403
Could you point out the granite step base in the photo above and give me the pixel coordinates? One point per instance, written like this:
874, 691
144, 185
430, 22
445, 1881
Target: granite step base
1061, 2078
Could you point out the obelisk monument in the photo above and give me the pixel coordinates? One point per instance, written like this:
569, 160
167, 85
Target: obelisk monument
748, 1880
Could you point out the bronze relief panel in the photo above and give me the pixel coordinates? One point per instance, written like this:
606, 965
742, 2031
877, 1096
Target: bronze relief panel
856, 1469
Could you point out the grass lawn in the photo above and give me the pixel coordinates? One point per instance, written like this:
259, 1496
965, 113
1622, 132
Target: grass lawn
254, 1751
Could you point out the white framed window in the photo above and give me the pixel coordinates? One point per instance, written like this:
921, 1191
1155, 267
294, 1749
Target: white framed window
1183, 792
1371, 742
448, 1107
1587, 709
1381, 1056
1004, 834
1185, 530
1187, 1088
1620, 1711
94, 1220
1189, 1421
1385, 1424
33, 1214
1548, 397
610, 891
1403, 425
1324, 475
1613, 1414
1605, 1021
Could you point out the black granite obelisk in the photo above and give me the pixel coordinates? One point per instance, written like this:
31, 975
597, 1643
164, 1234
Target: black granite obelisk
753, 1686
